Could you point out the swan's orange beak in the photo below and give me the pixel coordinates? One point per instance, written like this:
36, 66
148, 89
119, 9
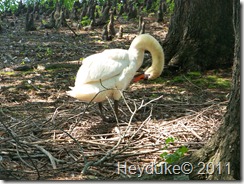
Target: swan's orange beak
139, 77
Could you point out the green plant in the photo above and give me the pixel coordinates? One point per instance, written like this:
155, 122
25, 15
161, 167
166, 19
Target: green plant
155, 5
49, 52
178, 79
217, 82
7, 73
119, 6
171, 6
176, 155
85, 21
98, 9
159, 80
193, 75
8, 5
44, 22
125, 17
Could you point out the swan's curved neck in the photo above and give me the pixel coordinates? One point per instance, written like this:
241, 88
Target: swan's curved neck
146, 42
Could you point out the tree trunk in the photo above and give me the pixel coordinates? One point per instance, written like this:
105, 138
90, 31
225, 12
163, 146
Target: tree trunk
200, 36
228, 150
222, 152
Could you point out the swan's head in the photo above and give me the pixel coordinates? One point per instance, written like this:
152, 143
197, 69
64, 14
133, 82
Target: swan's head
149, 74
147, 42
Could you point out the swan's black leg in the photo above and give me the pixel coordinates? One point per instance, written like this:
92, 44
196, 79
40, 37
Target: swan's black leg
100, 105
116, 108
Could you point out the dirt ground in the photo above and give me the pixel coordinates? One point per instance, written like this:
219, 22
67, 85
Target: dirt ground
47, 135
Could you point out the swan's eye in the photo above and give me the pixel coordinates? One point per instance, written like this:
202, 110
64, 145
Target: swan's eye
146, 76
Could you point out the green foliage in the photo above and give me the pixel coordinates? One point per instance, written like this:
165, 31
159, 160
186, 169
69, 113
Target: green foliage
44, 21
178, 79
12, 5
8, 5
169, 140
176, 155
119, 6
30, 2
98, 8
85, 21
7, 73
171, 6
68, 3
159, 80
194, 75
49, 52
125, 16
155, 5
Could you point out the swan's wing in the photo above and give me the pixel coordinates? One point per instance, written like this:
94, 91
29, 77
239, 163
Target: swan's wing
102, 66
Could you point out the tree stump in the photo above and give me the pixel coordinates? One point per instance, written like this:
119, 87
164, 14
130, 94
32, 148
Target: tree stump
104, 18
142, 31
105, 33
111, 30
29, 24
140, 23
51, 22
120, 33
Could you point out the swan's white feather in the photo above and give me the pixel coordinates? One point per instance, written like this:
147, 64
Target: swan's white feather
102, 66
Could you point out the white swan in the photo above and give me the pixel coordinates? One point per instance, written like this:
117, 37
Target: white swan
106, 74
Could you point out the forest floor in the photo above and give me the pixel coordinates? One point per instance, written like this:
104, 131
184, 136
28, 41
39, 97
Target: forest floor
47, 135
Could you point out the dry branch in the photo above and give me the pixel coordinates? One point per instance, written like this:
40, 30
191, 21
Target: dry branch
64, 144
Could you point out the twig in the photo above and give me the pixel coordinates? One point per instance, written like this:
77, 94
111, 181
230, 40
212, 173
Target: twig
51, 158
155, 99
93, 163
36, 88
20, 157
108, 154
17, 141
122, 94
128, 143
138, 153
70, 28
77, 142
191, 82
192, 131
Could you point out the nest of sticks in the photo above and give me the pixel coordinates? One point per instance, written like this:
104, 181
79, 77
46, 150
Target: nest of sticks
70, 144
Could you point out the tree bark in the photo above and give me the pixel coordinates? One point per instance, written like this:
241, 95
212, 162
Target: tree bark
200, 35
223, 150
228, 151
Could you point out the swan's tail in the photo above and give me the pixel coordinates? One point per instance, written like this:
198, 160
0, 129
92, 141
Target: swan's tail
72, 92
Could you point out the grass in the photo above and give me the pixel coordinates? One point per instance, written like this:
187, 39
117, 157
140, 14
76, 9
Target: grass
159, 80
217, 82
203, 81
7, 73
214, 81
